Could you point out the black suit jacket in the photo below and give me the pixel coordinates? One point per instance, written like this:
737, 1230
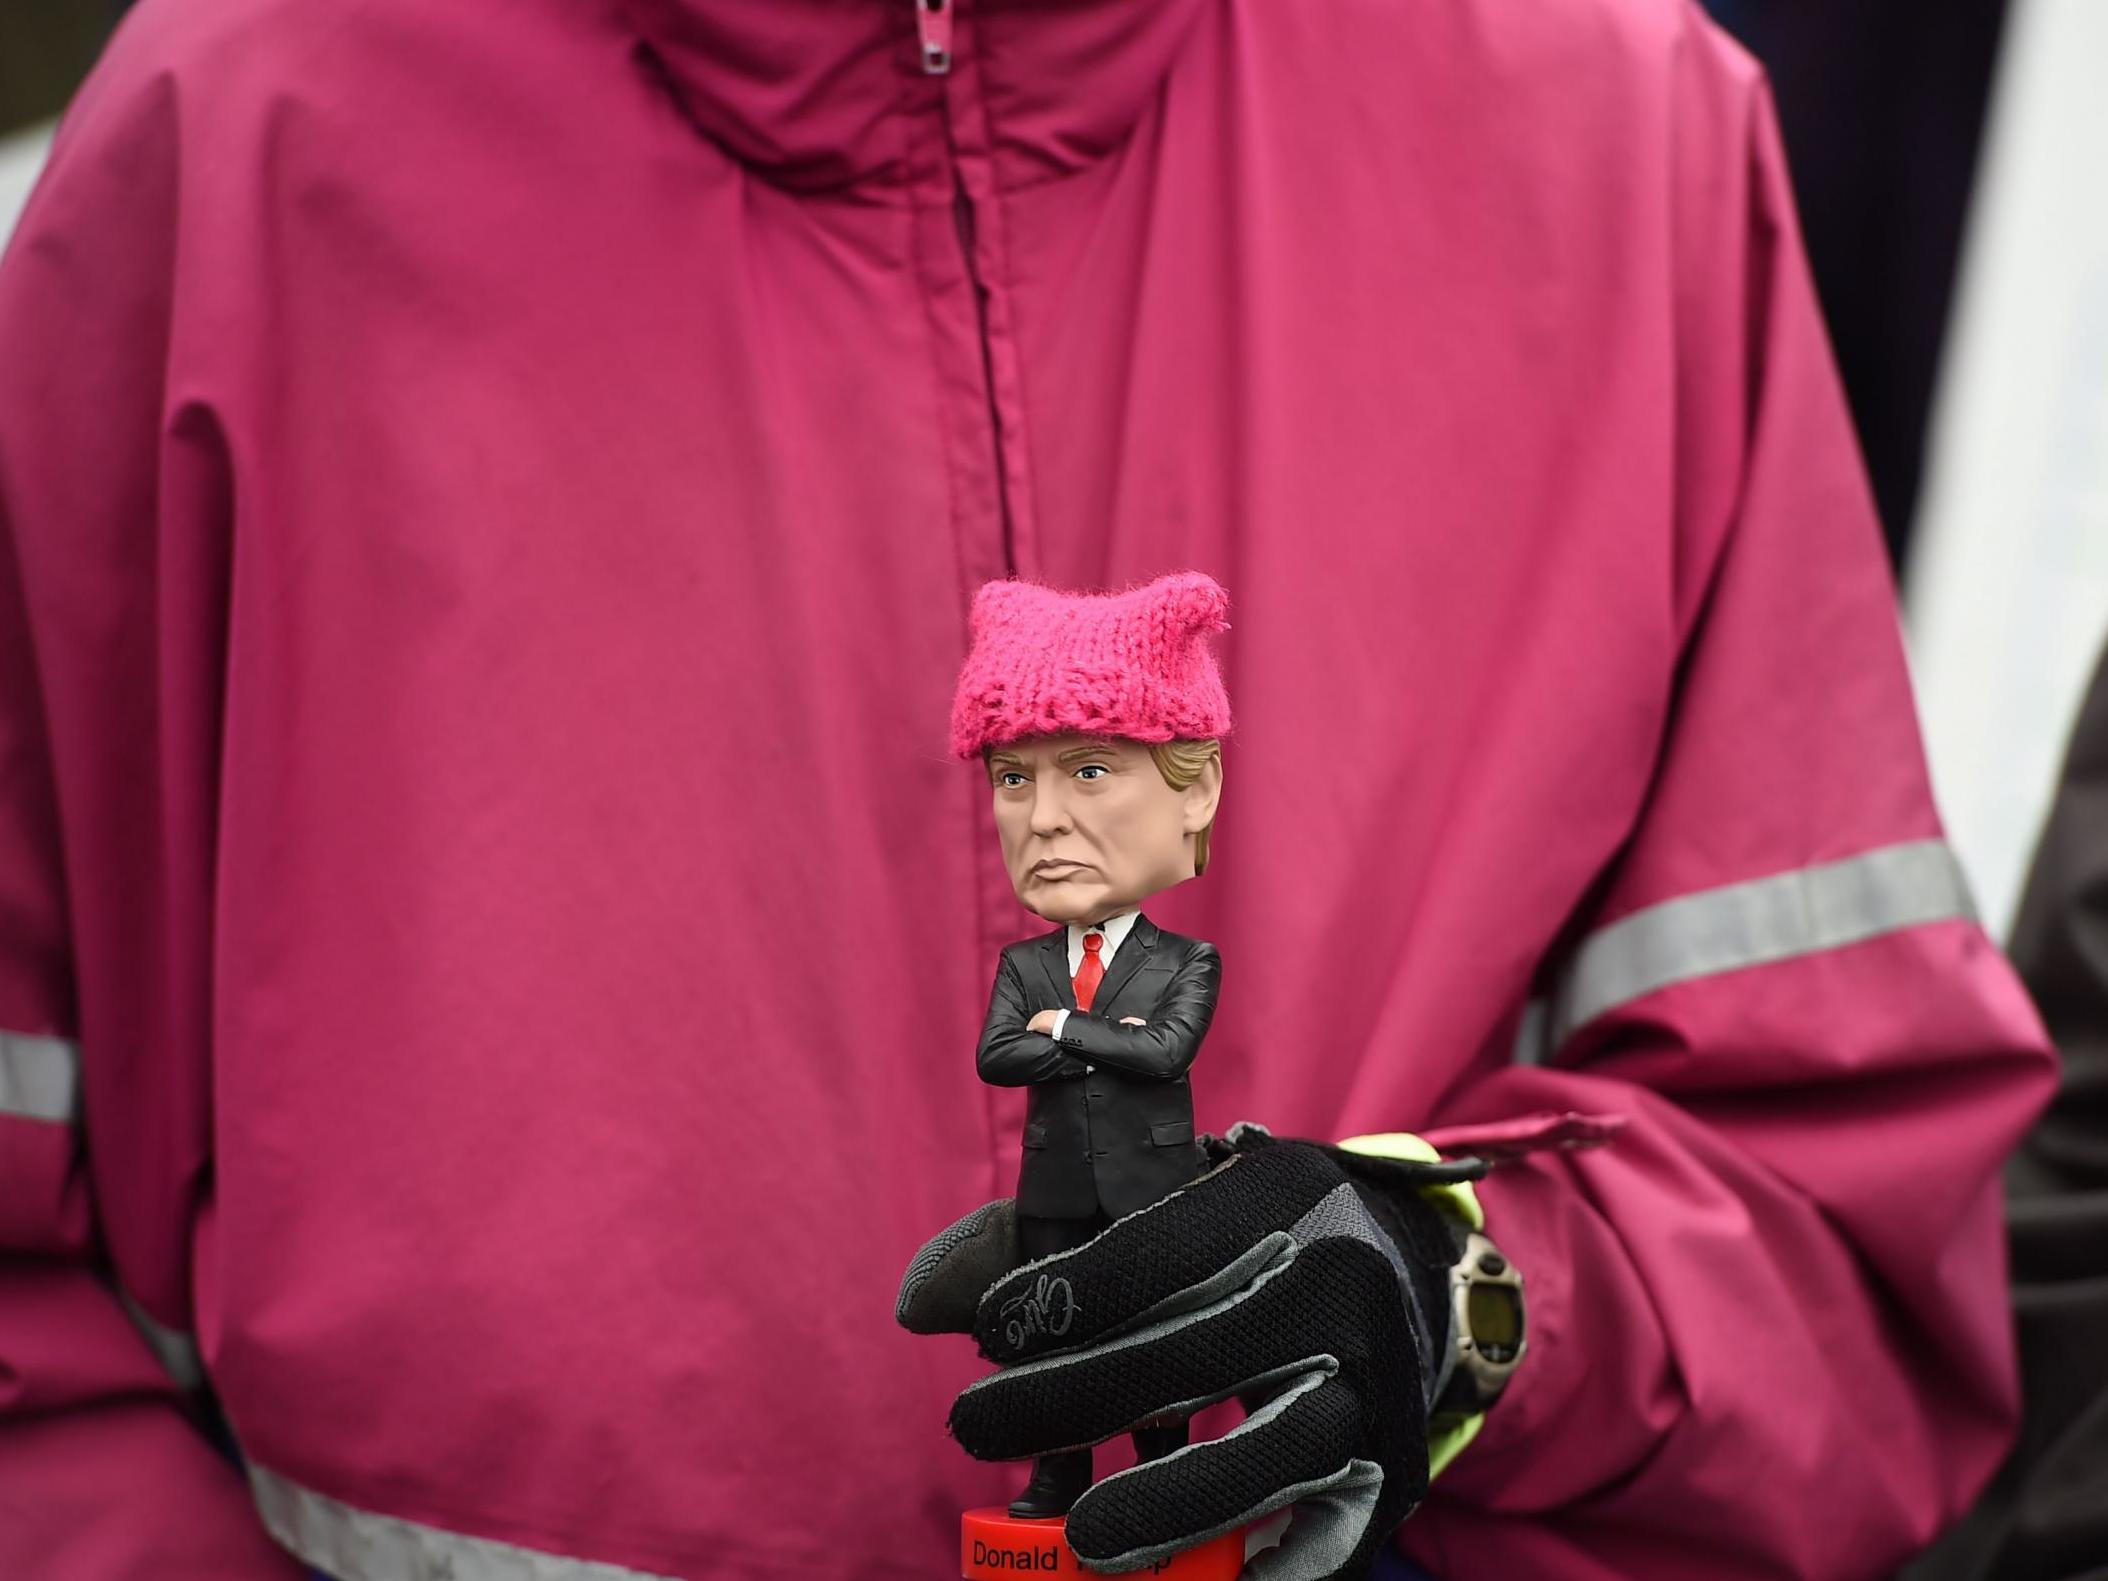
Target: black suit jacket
1109, 1122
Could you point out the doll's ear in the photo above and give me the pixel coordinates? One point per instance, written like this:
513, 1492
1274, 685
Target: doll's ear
1203, 796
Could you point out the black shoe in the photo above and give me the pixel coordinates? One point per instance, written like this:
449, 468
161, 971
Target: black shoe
1058, 1481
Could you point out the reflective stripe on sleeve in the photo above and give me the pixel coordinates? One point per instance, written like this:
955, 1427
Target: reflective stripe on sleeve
175, 1350
352, 1544
1801, 912
40, 1077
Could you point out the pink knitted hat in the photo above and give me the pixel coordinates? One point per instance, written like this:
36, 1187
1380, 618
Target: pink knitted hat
1130, 664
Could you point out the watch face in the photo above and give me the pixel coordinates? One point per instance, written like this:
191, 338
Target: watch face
1487, 1327
1495, 1314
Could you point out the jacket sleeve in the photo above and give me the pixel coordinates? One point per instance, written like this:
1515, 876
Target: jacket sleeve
1009, 1055
1163, 1048
1768, 1321
108, 502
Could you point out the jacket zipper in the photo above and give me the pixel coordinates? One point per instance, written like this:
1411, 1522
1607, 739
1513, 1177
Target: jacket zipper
933, 34
963, 219
933, 30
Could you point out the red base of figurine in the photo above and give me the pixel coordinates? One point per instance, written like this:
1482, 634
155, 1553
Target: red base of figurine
995, 1545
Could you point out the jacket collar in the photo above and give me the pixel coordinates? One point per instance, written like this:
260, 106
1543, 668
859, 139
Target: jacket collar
831, 94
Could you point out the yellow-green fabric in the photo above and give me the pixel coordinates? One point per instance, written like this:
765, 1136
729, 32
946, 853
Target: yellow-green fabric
1445, 1444
1459, 1201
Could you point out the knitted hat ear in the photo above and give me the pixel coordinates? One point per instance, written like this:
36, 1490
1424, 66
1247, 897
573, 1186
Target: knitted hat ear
998, 600
1192, 604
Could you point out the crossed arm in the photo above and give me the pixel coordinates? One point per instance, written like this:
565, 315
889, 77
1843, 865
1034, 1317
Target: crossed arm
1161, 1048
1013, 1054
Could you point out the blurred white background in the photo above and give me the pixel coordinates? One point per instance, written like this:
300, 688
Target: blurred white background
2007, 594
21, 154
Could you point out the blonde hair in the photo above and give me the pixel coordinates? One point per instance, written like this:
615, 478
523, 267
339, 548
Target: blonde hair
1180, 762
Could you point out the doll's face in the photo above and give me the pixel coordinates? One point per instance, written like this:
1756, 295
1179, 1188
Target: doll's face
1089, 826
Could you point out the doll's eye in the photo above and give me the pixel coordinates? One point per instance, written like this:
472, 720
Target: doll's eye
1010, 779
1093, 771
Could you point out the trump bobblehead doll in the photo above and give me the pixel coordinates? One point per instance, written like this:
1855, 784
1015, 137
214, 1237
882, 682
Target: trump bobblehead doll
1099, 720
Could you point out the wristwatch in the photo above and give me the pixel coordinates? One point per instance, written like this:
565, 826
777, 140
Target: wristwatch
1488, 1328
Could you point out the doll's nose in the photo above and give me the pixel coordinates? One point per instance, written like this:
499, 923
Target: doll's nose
1050, 810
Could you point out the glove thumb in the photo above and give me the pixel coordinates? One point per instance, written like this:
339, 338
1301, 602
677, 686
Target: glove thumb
942, 1287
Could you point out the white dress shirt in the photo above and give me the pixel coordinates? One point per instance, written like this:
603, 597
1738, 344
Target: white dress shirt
1116, 930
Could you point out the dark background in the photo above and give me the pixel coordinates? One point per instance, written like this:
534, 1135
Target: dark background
46, 47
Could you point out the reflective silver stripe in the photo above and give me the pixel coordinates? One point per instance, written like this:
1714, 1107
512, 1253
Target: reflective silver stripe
1751, 924
1531, 1032
40, 1077
358, 1545
176, 1350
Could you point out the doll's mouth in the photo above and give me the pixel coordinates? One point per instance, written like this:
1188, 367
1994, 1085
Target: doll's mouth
1055, 870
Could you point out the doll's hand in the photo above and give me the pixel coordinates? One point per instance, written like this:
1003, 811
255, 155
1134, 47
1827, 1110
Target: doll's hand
1133, 1021
1042, 1022
1270, 1279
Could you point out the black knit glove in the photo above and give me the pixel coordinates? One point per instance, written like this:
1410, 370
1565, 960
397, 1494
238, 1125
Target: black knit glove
1310, 1283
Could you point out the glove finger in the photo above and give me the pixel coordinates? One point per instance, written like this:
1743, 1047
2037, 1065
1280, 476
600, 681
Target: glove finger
1263, 1333
1182, 1252
1297, 1443
944, 1281
1338, 1526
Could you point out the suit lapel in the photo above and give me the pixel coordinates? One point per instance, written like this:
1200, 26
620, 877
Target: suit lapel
1133, 953
1054, 960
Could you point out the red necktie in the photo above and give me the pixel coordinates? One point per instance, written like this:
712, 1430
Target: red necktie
1092, 972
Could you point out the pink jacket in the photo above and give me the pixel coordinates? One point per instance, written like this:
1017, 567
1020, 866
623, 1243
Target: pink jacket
491, 942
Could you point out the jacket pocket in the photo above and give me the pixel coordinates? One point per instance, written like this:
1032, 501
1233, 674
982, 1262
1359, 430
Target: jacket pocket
1171, 1133
1036, 1134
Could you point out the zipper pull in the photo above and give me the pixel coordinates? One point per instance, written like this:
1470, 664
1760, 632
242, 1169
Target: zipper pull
933, 27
